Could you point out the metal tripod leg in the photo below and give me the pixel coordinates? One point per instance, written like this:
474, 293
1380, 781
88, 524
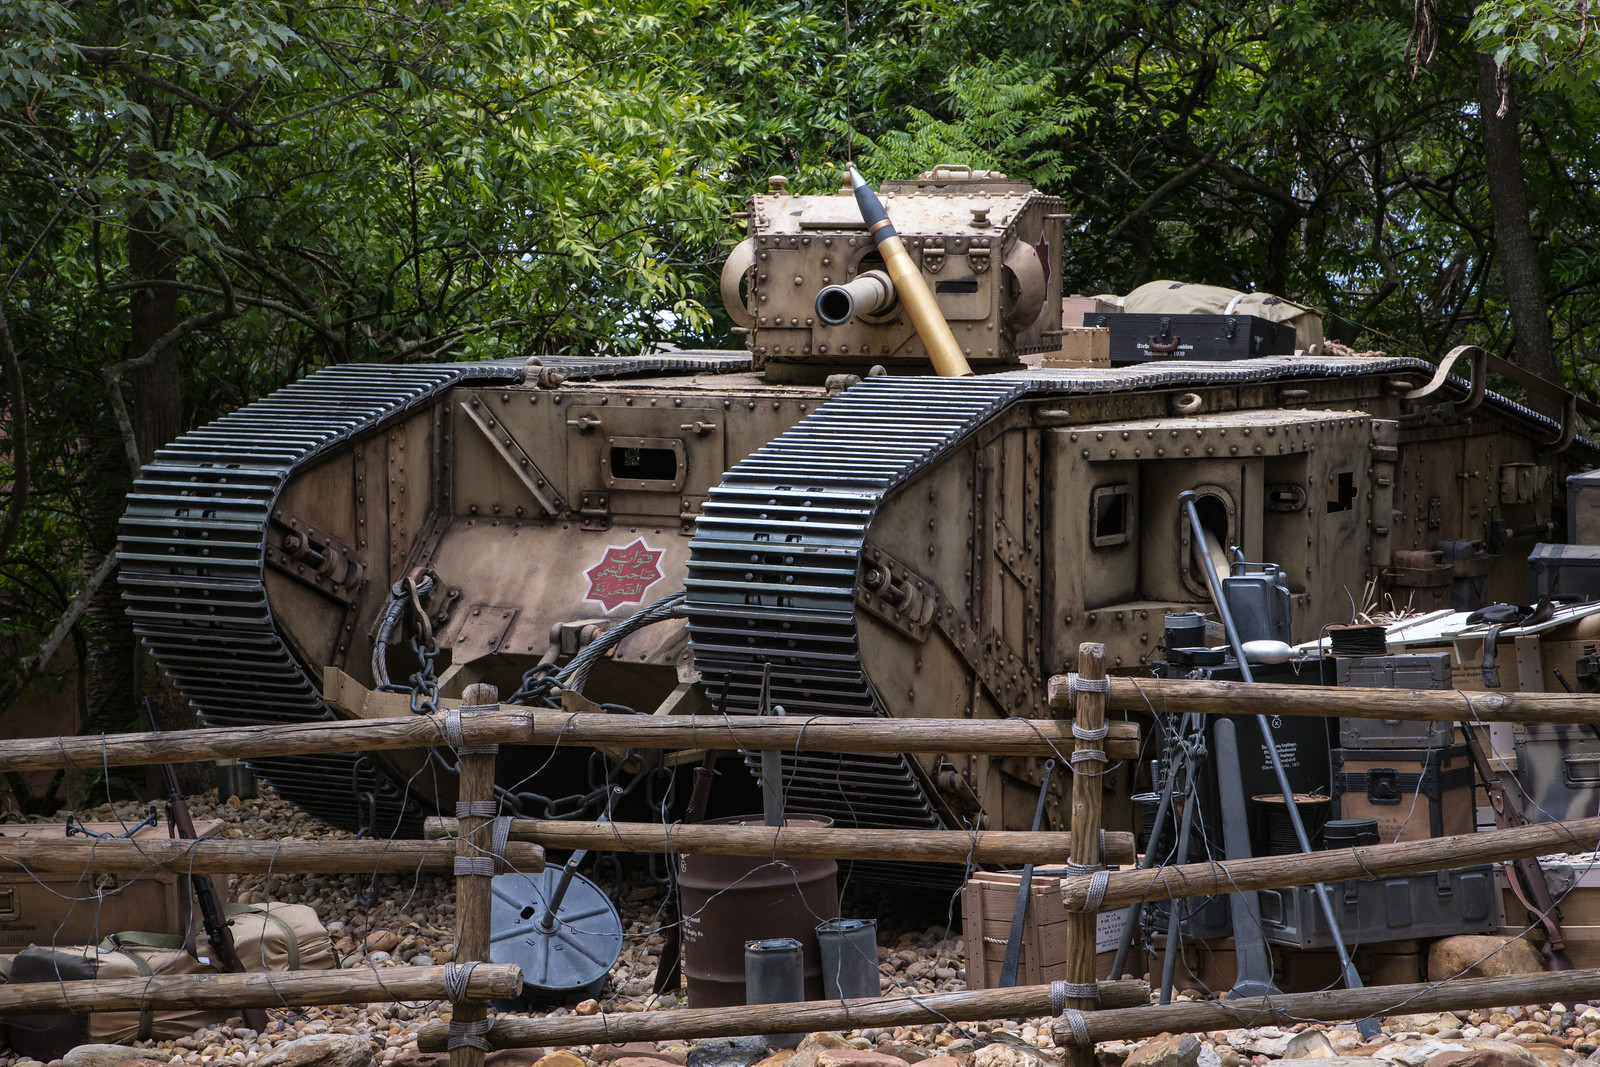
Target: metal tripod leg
1169, 955
1249, 945
1352, 980
1131, 924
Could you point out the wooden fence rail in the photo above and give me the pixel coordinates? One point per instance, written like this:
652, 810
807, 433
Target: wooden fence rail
800, 1017
276, 990
803, 842
223, 856
1417, 705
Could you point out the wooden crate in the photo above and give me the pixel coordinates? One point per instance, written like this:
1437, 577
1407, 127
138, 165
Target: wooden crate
63, 910
988, 902
1210, 964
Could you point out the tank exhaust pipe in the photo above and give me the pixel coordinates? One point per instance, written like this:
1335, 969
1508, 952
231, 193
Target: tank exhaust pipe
948, 362
871, 294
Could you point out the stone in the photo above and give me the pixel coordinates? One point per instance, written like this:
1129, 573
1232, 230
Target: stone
587, 1007
1176, 1050
1333, 1061
1415, 1053
1210, 1057
1553, 1055
812, 1045
1005, 1054
1484, 1052
653, 1060
1309, 1045
858, 1057
111, 1055
513, 1057
725, 1052
1481, 956
1426, 1023
777, 1059
558, 1058
320, 1050
944, 1061
630, 1050
382, 941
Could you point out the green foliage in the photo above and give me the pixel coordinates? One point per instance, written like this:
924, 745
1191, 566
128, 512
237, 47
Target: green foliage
1555, 42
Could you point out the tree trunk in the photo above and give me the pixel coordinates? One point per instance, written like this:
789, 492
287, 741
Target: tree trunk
1517, 249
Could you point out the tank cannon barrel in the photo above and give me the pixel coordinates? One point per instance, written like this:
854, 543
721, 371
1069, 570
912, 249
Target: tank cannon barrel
923, 311
871, 294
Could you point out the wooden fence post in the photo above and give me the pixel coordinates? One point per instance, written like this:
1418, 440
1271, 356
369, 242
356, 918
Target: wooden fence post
1088, 762
475, 813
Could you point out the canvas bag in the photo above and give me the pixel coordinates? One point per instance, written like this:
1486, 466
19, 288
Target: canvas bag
281, 937
1168, 297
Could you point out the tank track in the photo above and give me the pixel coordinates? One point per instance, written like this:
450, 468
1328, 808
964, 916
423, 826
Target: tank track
193, 557
773, 564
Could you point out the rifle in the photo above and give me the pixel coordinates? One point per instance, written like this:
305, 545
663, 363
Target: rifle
1526, 876
205, 890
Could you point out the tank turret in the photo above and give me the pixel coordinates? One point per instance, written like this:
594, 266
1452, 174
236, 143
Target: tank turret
810, 289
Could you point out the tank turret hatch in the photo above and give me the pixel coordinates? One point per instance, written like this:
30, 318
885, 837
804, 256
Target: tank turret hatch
810, 290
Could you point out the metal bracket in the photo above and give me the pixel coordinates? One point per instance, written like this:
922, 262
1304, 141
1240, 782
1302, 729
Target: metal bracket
594, 508
316, 558
521, 464
896, 594
1008, 547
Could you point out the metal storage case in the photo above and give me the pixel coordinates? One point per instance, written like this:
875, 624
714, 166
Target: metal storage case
1558, 771
1567, 571
1429, 671
1583, 508
1414, 794
1435, 904
1148, 338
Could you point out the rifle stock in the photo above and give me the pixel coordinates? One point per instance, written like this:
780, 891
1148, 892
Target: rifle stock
206, 898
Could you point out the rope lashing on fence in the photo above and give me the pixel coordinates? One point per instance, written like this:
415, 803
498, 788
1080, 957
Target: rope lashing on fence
495, 862
1060, 990
473, 1034
456, 736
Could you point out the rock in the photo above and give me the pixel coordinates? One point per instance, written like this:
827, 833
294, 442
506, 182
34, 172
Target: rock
558, 1058
1481, 956
1005, 1054
110, 1055
1267, 1041
1210, 1057
1309, 1045
1552, 1055
1484, 1052
630, 1050
1415, 1054
1178, 1050
942, 1061
587, 1007
1333, 1061
382, 941
724, 1052
812, 1045
1427, 1023
512, 1057
652, 1060
777, 1059
321, 1050
861, 1057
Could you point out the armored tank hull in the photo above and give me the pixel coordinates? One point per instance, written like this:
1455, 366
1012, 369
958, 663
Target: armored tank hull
908, 546
680, 533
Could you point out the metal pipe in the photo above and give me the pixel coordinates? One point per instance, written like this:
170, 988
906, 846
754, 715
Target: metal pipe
921, 308
872, 293
1352, 980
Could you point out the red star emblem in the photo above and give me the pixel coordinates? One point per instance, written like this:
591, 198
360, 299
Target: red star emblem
623, 574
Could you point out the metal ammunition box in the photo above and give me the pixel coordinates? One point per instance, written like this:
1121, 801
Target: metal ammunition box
1583, 508
1148, 338
1414, 794
1434, 904
1558, 771
63, 910
1567, 571
1430, 671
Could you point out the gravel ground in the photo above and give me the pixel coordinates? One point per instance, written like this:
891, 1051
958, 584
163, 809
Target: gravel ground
411, 922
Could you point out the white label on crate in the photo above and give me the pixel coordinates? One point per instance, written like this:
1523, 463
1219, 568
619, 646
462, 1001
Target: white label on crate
1108, 929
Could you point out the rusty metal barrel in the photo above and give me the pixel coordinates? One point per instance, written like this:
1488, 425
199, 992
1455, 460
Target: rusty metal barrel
729, 900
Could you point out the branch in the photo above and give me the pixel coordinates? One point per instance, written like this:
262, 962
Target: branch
20, 475
1167, 188
47, 649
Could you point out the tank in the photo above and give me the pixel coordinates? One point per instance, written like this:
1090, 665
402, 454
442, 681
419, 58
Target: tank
662, 533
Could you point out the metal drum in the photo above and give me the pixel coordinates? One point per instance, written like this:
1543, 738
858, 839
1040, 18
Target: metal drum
729, 900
